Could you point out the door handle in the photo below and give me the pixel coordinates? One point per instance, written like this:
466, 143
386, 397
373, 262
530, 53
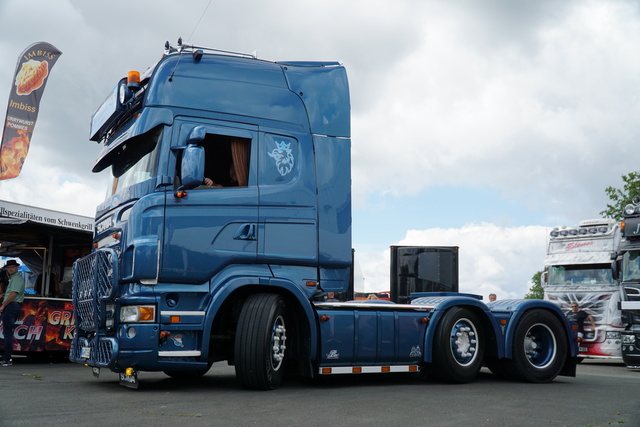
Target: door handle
246, 232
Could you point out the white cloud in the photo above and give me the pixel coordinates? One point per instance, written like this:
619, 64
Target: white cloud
549, 112
494, 259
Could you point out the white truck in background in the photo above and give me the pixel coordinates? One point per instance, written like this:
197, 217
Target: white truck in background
578, 268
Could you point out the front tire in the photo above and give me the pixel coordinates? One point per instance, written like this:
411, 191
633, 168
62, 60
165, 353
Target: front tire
538, 347
458, 347
261, 341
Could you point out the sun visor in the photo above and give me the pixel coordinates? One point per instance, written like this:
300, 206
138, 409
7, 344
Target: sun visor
148, 119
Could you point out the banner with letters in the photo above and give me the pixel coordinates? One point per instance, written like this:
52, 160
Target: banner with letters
45, 325
27, 87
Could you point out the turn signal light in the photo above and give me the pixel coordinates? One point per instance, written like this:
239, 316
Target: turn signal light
147, 314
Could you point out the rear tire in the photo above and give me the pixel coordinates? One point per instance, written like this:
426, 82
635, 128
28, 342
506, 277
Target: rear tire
458, 347
538, 348
261, 338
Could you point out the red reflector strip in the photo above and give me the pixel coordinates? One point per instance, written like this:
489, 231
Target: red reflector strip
368, 369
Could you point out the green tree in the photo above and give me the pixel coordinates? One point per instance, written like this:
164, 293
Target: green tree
621, 198
536, 291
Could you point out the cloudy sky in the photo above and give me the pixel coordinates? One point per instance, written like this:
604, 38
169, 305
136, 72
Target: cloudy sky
475, 123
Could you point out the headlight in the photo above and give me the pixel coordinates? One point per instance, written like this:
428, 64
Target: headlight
138, 314
613, 335
629, 209
628, 339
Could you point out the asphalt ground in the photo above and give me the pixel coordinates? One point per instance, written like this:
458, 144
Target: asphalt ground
44, 394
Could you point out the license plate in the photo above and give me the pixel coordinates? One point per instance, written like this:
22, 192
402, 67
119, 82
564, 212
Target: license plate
583, 349
86, 352
130, 381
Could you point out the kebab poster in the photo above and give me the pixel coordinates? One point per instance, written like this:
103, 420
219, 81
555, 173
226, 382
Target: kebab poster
27, 87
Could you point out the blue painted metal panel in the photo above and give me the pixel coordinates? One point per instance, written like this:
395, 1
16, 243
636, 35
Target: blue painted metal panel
233, 86
367, 336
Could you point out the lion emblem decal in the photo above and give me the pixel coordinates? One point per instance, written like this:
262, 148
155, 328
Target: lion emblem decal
283, 157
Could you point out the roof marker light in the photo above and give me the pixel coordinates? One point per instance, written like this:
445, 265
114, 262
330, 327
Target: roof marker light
133, 80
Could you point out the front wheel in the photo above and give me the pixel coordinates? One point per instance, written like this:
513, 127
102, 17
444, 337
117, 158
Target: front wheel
458, 347
539, 346
261, 342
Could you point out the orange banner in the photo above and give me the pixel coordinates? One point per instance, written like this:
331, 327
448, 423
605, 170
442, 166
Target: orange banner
30, 78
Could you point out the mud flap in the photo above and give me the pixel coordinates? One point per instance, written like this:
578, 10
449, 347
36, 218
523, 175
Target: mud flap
569, 368
130, 381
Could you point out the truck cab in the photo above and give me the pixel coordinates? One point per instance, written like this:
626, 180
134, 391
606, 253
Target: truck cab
629, 267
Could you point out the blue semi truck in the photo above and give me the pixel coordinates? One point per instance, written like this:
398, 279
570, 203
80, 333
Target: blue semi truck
228, 221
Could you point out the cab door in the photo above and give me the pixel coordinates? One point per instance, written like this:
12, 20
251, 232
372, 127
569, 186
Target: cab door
213, 226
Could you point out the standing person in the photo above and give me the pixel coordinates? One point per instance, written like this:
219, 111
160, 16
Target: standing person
11, 308
492, 297
578, 316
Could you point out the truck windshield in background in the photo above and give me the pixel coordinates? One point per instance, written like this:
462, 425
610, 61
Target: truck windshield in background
573, 275
631, 266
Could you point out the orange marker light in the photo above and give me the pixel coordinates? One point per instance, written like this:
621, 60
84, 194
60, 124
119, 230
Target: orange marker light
174, 319
133, 77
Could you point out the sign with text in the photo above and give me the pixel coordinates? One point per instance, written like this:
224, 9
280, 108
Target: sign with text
45, 325
29, 81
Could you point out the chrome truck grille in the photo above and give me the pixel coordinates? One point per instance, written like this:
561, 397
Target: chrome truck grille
94, 283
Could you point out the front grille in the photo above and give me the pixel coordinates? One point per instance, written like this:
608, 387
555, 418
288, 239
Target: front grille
101, 352
94, 281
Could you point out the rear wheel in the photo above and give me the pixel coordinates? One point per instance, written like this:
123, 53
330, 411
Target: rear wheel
261, 342
458, 347
538, 347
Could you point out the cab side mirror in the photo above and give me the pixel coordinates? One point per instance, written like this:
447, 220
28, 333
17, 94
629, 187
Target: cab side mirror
192, 170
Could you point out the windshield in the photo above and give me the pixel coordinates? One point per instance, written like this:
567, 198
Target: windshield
135, 161
631, 266
573, 275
